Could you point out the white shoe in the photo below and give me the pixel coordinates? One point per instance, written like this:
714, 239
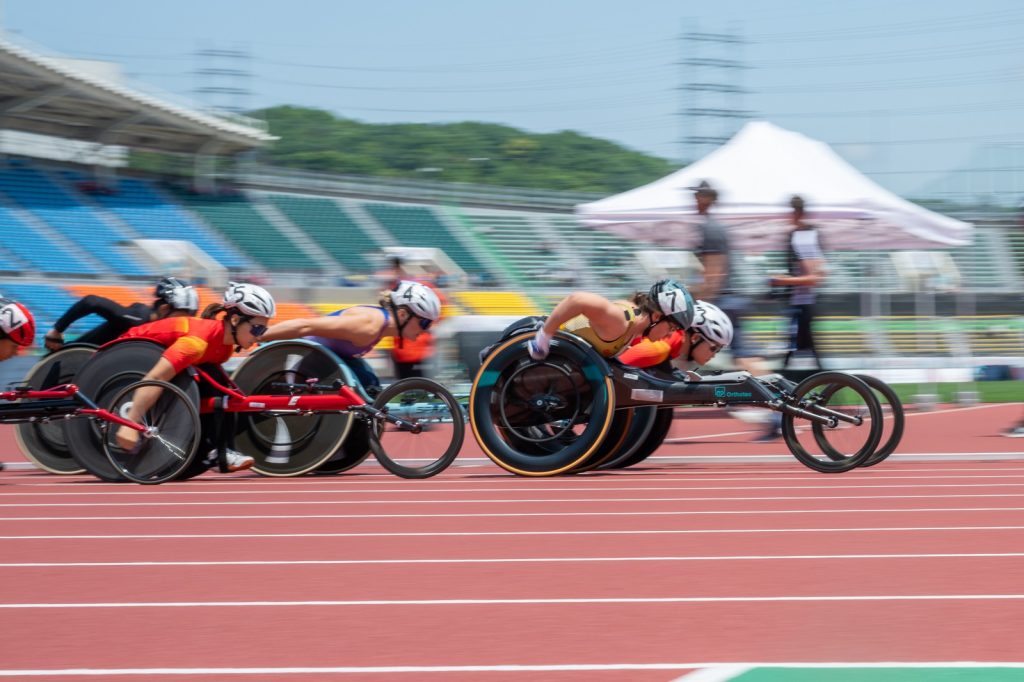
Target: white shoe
752, 415
1017, 432
235, 461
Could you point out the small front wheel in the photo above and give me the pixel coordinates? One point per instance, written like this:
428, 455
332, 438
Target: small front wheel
171, 439
434, 446
843, 422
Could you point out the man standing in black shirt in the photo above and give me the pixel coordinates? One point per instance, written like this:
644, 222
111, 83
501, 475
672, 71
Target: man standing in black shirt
172, 297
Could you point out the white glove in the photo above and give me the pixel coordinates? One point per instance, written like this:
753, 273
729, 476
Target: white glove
539, 345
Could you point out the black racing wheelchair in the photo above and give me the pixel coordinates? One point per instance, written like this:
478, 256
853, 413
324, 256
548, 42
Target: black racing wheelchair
576, 411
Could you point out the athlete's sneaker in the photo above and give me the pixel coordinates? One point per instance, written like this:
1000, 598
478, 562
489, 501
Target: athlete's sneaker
1016, 432
768, 436
235, 461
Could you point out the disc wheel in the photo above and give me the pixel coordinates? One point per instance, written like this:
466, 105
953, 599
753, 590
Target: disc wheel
617, 439
429, 449
541, 418
101, 378
893, 419
289, 445
643, 421
855, 428
43, 444
655, 437
171, 439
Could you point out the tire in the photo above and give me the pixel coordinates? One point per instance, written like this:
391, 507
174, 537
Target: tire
617, 440
352, 452
104, 375
643, 421
888, 445
168, 452
532, 438
827, 393
655, 437
43, 444
429, 452
289, 445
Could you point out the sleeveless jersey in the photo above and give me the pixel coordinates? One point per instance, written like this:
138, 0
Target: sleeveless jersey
580, 326
344, 348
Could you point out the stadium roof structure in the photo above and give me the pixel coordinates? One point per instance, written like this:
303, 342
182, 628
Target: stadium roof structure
49, 96
755, 174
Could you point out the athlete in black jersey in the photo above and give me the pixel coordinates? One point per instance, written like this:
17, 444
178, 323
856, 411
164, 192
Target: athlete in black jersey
172, 297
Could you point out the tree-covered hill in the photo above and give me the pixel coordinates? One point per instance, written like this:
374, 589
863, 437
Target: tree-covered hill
483, 153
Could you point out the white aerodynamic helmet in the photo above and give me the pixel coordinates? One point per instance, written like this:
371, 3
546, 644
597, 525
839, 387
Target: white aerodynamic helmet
418, 298
249, 299
177, 294
713, 324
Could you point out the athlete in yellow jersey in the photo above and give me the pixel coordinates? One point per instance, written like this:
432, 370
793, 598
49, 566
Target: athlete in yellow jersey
609, 326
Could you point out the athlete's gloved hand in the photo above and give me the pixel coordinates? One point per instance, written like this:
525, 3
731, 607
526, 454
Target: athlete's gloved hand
539, 345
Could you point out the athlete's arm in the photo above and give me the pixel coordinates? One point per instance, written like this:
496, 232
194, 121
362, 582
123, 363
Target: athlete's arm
98, 305
606, 318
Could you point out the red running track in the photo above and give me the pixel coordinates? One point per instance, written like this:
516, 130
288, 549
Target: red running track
587, 577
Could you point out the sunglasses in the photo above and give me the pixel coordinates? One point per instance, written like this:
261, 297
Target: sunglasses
257, 330
424, 323
714, 347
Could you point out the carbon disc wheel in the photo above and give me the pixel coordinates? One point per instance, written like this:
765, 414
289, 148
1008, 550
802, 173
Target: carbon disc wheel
44, 444
289, 445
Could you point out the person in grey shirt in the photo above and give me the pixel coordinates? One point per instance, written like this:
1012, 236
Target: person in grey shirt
716, 255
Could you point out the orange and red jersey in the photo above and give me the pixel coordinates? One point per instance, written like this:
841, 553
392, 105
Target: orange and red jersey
646, 353
189, 340
414, 351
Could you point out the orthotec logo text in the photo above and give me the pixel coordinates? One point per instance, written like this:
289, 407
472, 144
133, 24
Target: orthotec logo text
721, 392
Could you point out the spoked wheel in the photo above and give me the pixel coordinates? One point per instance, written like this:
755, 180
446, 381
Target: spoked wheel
853, 428
643, 422
289, 445
433, 445
541, 418
101, 378
893, 418
43, 443
171, 439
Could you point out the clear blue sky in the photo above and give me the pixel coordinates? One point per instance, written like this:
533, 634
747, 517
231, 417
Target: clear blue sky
906, 91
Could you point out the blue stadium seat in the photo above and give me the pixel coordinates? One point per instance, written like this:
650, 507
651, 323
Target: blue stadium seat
34, 192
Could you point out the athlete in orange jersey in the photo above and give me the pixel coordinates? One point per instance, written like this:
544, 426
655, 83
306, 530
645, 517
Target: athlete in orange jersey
208, 341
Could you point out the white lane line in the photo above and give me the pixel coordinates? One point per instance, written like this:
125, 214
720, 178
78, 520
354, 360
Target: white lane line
726, 512
496, 668
524, 533
519, 489
507, 560
358, 480
515, 602
523, 500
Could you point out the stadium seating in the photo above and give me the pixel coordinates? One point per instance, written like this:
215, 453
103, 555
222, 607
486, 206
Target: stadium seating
154, 217
37, 250
330, 227
33, 191
47, 303
513, 239
419, 226
237, 218
496, 303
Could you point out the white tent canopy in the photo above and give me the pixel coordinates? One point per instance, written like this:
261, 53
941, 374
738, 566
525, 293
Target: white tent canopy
756, 173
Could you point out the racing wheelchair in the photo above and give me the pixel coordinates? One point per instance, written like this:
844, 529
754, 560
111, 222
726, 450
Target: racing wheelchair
295, 412
576, 411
